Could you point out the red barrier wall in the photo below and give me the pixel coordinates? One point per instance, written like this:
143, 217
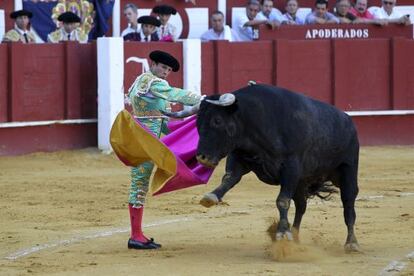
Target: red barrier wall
208, 68
354, 75
261, 69
237, 63
81, 81
37, 72
23, 140
402, 74
367, 85
51, 82
47, 82
385, 130
305, 67
142, 50
335, 31
4, 82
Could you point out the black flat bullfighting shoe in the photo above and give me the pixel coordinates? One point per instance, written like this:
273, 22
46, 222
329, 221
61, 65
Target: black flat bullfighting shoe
143, 245
153, 242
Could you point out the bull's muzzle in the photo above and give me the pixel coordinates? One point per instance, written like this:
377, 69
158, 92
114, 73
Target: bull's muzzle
207, 162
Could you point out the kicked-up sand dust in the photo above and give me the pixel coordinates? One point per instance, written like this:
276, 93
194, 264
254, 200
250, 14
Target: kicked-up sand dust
68, 210
290, 251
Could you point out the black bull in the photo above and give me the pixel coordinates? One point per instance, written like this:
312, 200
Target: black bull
285, 138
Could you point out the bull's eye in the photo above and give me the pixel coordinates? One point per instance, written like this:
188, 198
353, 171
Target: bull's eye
217, 121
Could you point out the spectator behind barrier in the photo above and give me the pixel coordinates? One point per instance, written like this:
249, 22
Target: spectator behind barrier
320, 15
268, 12
131, 15
360, 11
247, 24
166, 32
388, 13
22, 31
342, 12
70, 30
219, 30
191, 1
148, 30
290, 17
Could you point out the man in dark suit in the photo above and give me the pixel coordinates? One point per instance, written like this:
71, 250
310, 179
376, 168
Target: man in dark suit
147, 33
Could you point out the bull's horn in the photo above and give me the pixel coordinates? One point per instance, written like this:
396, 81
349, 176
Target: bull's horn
224, 100
183, 113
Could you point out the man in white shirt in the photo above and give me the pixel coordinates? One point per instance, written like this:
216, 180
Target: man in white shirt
320, 14
290, 17
247, 24
219, 31
131, 14
388, 13
271, 13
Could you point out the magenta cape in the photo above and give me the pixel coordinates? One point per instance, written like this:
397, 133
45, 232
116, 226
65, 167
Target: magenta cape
173, 154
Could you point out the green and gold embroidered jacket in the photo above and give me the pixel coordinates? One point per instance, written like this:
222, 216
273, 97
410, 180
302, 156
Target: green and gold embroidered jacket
149, 95
14, 36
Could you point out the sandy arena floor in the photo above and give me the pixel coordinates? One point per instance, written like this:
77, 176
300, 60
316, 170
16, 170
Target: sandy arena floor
65, 213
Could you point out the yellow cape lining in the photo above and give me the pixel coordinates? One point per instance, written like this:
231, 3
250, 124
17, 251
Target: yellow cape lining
134, 144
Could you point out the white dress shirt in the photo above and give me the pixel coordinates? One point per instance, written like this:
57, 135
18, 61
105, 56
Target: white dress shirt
382, 14
226, 34
244, 33
129, 30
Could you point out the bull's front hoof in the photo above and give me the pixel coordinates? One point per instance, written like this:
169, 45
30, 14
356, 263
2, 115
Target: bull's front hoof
281, 235
209, 200
352, 247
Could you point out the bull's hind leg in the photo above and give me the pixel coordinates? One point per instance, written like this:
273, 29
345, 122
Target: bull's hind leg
349, 192
234, 172
300, 205
289, 178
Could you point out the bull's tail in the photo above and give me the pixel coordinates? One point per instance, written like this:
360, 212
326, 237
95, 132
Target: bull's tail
323, 190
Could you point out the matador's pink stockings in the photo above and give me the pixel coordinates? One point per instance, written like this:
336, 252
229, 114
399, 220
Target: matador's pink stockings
135, 215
